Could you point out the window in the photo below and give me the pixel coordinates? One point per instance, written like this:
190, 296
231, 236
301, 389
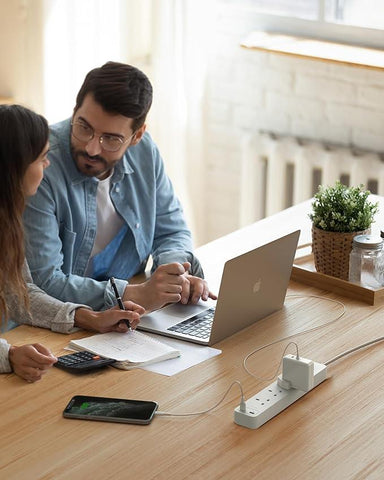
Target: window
360, 13
348, 21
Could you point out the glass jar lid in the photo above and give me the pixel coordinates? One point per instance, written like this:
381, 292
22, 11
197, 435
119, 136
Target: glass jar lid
373, 242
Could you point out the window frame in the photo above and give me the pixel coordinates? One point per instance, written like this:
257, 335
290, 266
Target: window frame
319, 29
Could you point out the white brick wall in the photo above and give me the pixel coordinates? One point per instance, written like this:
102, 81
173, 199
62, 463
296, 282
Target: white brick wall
252, 90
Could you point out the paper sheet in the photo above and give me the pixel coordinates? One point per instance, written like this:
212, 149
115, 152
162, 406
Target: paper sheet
135, 346
191, 354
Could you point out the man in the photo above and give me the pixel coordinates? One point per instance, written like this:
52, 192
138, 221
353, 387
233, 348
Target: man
105, 204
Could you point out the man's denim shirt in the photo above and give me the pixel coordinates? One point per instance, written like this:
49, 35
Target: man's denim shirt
61, 222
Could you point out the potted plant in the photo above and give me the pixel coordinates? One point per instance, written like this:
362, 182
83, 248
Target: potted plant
338, 214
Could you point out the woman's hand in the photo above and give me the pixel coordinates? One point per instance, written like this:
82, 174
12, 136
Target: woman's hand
31, 362
112, 320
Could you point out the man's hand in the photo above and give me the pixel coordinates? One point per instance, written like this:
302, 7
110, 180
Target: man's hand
194, 289
170, 283
31, 362
111, 320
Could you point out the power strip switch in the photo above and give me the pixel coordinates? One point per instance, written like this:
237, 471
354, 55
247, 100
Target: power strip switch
272, 400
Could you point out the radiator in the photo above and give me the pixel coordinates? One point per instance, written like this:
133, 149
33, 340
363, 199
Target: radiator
279, 171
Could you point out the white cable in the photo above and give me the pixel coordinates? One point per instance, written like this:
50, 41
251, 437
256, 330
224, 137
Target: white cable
278, 367
355, 349
294, 334
242, 402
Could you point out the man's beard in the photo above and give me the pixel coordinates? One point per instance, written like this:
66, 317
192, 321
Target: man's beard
91, 166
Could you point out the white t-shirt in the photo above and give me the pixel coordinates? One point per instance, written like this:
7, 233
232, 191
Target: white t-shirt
109, 221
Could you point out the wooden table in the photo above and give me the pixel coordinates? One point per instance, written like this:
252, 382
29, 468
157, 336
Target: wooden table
334, 432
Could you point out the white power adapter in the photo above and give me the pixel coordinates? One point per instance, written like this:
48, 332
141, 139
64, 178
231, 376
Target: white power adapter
298, 372
273, 399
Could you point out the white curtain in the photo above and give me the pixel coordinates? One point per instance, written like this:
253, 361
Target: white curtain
180, 49
79, 35
168, 40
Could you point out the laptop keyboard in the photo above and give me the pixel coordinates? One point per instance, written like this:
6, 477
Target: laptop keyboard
198, 326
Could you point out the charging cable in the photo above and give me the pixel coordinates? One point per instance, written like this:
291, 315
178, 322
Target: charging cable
296, 359
341, 314
242, 404
355, 349
279, 365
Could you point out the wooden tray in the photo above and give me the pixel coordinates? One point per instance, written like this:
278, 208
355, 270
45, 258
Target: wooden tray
304, 271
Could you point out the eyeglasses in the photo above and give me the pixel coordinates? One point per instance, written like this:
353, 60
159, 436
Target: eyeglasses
110, 143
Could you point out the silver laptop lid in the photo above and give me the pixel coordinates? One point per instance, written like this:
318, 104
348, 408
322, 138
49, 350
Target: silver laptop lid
253, 286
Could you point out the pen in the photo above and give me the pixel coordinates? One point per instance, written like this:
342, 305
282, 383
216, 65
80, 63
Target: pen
118, 298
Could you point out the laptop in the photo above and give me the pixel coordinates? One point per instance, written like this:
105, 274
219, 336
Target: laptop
253, 286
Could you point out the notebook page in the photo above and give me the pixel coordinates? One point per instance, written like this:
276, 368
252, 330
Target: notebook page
132, 346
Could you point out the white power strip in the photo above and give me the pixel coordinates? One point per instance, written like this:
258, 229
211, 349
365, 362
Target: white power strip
272, 400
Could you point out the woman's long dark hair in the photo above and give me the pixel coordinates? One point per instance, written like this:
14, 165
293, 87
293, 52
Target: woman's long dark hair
23, 136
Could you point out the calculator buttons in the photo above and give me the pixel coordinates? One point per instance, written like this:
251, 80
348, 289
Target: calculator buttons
82, 362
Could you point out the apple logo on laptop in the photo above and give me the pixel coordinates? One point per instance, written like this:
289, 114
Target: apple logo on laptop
257, 286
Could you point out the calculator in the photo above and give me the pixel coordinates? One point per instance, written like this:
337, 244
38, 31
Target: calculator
82, 362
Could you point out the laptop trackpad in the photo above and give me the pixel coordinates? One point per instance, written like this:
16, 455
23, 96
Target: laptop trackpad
172, 314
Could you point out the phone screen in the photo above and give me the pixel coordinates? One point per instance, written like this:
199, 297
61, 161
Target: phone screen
110, 409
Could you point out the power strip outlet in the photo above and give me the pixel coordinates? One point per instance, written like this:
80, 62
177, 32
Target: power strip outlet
272, 400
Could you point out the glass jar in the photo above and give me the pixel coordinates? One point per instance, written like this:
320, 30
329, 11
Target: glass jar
366, 261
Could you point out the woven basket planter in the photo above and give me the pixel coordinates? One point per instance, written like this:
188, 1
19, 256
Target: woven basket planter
331, 251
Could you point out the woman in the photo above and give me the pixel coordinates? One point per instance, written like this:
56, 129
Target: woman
23, 158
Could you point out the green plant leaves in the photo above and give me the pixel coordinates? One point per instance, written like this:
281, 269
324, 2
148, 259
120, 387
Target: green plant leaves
340, 208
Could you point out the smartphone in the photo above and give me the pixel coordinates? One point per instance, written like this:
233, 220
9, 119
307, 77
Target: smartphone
110, 409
